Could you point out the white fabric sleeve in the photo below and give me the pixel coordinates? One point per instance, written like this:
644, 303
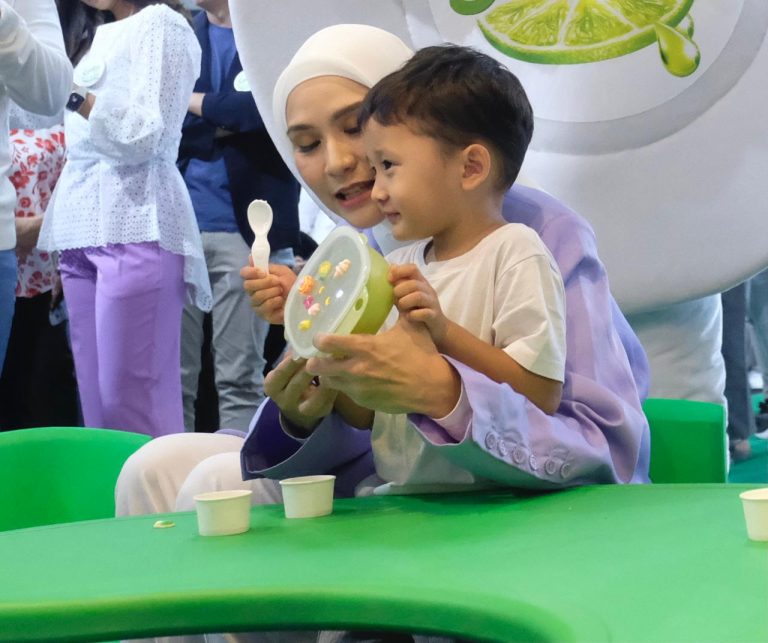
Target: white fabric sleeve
530, 318
33, 65
165, 61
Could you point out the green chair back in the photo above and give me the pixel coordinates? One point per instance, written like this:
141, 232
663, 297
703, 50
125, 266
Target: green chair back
61, 474
688, 442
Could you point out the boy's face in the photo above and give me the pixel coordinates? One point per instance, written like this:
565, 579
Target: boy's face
418, 183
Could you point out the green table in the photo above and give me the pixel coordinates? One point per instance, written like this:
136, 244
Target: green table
640, 563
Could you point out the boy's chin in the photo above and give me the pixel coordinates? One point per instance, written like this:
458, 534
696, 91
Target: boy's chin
383, 234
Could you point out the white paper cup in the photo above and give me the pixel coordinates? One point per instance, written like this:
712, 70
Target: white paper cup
223, 513
755, 503
308, 496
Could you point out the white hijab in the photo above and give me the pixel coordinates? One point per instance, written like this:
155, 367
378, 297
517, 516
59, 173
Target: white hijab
360, 53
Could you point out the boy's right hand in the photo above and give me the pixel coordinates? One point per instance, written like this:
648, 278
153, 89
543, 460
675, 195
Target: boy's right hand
268, 292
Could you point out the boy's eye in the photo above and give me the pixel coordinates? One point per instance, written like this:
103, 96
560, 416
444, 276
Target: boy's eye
386, 164
352, 130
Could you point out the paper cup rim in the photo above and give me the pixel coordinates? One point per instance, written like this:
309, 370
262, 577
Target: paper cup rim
759, 495
214, 496
306, 480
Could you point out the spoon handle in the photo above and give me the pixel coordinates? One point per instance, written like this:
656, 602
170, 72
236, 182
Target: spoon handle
260, 253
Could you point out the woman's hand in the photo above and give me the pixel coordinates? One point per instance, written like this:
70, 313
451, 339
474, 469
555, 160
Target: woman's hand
268, 292
87, 106
397, 371
417, 300
303, 399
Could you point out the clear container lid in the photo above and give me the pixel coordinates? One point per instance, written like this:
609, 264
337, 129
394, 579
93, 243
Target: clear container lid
329, 295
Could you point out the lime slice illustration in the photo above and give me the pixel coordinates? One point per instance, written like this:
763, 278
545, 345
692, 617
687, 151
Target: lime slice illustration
577, 31
470, 7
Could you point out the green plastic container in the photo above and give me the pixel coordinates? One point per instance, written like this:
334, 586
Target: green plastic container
342, 289
52, 475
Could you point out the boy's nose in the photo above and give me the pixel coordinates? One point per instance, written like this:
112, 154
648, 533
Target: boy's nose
378, 193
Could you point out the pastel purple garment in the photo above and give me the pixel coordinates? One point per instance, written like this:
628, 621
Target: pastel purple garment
598, 435
125, 303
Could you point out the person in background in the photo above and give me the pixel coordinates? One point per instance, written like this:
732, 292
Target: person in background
741, 419
78, 24
227, 160
122, 220
37, 386
757, 316
36, 75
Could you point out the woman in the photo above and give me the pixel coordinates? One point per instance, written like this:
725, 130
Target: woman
122, 220
37, 386
599, 433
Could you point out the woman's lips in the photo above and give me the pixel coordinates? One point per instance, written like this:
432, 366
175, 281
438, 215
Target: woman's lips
355, 195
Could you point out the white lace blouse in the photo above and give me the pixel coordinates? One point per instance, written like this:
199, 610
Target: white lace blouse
120, 183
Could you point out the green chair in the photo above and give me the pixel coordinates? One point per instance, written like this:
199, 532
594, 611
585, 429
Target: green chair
61, 474
688, 441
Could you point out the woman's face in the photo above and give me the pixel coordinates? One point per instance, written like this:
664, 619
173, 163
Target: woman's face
321, 114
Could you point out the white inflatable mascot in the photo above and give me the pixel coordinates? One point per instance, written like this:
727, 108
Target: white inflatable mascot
649, 122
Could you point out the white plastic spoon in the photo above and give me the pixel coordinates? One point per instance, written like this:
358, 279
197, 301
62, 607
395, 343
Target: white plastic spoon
260, 220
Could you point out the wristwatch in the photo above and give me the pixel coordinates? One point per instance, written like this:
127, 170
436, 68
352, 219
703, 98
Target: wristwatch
76, 98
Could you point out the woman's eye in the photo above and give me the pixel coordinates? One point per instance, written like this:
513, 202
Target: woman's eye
386, 164
307, 147
352, 130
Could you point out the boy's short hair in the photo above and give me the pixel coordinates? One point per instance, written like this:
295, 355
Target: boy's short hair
457, 95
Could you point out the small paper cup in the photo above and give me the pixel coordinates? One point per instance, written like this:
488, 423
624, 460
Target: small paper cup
308, 496
755, 504
223, 513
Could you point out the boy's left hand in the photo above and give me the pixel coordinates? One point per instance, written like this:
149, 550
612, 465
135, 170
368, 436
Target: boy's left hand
417, 300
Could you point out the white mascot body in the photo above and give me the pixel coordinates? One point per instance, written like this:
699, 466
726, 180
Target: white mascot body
651, 125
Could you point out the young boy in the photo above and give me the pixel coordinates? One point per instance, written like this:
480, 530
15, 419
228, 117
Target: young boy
447, 134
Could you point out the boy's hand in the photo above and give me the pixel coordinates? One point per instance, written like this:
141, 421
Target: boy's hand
268, 292
417, 300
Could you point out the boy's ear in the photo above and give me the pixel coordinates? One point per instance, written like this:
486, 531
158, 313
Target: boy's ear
476, 165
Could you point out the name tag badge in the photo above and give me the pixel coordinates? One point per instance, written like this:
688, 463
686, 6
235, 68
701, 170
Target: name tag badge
89, 72
241, 83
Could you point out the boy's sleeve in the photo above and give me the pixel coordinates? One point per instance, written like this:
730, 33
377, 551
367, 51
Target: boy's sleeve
529, 322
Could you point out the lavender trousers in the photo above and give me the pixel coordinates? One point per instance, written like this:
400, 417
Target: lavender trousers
125, 303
